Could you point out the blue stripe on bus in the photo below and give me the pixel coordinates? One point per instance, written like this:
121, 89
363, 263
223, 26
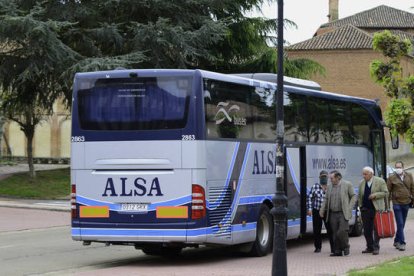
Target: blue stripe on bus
230, 213
245, 227
245, 200
156, 232
91, 202
117, 207
167, 232
215, 204
76, 231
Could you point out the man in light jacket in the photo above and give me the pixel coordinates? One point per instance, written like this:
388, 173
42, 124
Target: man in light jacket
372, 193
337, 207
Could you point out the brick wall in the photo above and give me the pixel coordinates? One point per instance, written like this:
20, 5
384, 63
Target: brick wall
347, 72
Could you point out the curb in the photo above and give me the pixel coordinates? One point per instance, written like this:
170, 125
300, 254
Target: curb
21, 205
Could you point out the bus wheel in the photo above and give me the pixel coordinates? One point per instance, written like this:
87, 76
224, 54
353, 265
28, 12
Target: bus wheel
264, 233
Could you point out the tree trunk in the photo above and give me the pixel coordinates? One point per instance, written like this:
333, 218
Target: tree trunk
8, 149
29, 136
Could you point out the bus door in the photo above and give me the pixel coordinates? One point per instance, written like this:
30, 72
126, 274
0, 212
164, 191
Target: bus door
295, 164
378, 153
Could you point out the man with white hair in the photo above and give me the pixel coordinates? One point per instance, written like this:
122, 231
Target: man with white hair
372, 191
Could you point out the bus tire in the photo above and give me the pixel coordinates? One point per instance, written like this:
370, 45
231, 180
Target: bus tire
264, 233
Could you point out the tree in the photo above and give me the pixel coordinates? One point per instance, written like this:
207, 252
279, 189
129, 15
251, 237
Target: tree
213, 35
31, 59
399, 114
43, 43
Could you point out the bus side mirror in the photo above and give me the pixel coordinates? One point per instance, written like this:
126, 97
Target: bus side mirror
395, 142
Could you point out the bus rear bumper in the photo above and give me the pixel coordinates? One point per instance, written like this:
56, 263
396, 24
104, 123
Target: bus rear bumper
139, 235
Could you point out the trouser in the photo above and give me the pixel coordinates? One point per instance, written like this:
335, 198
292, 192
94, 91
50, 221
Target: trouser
400, 213
317, 229
370, 232
340, 228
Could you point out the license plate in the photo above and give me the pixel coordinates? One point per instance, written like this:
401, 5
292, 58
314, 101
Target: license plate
137, 207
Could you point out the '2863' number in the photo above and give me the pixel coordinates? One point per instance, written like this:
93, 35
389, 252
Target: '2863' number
188, 137
78, 138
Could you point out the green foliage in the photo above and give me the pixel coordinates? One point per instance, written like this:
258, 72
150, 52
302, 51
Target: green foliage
400, 111
410, 134
303, 68
44, 43
32, 59
398, 114
408, 88
390, 45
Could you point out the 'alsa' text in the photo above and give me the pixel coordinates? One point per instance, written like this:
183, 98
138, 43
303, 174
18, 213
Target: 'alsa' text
139, 187
264, 162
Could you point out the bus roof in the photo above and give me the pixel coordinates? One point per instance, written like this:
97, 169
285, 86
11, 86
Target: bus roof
286, 80
263, 80
290, 85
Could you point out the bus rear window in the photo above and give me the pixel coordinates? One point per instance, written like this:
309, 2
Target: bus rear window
135, 103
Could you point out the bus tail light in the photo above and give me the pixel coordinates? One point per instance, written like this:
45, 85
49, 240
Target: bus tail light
73, 201
198, 202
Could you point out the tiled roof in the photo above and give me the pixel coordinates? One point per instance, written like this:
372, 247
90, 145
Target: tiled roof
346, 37
382, 17
403, 35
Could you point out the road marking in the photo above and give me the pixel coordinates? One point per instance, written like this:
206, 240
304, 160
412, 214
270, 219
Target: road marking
7, 246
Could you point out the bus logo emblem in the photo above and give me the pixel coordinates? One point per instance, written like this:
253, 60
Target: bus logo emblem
222, 110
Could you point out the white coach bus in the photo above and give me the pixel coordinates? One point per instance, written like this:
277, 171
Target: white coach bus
167, 159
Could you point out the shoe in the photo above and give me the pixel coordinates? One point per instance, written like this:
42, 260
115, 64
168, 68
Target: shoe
367, 251
375, 252
401, 247
346, 251
335, 254
317, 250
396, 244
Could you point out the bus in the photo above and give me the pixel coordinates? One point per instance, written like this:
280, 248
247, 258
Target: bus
167, 159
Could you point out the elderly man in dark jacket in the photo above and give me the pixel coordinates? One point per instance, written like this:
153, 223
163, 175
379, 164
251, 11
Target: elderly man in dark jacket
401, 187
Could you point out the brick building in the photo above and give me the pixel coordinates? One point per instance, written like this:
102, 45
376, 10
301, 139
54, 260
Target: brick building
344, 47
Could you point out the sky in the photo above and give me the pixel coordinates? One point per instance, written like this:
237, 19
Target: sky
310, 14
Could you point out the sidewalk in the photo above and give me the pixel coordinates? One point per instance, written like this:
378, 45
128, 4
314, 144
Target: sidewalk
49, 205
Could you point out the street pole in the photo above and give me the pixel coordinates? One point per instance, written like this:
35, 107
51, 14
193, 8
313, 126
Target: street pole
279, 211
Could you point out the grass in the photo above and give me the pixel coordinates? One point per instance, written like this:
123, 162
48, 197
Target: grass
400, 267
52, 184
5, 162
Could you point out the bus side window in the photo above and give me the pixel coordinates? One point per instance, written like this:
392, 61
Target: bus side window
263, 116
227, 108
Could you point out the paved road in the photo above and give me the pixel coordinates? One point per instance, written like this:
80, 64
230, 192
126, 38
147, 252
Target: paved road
34, 241
37, 242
